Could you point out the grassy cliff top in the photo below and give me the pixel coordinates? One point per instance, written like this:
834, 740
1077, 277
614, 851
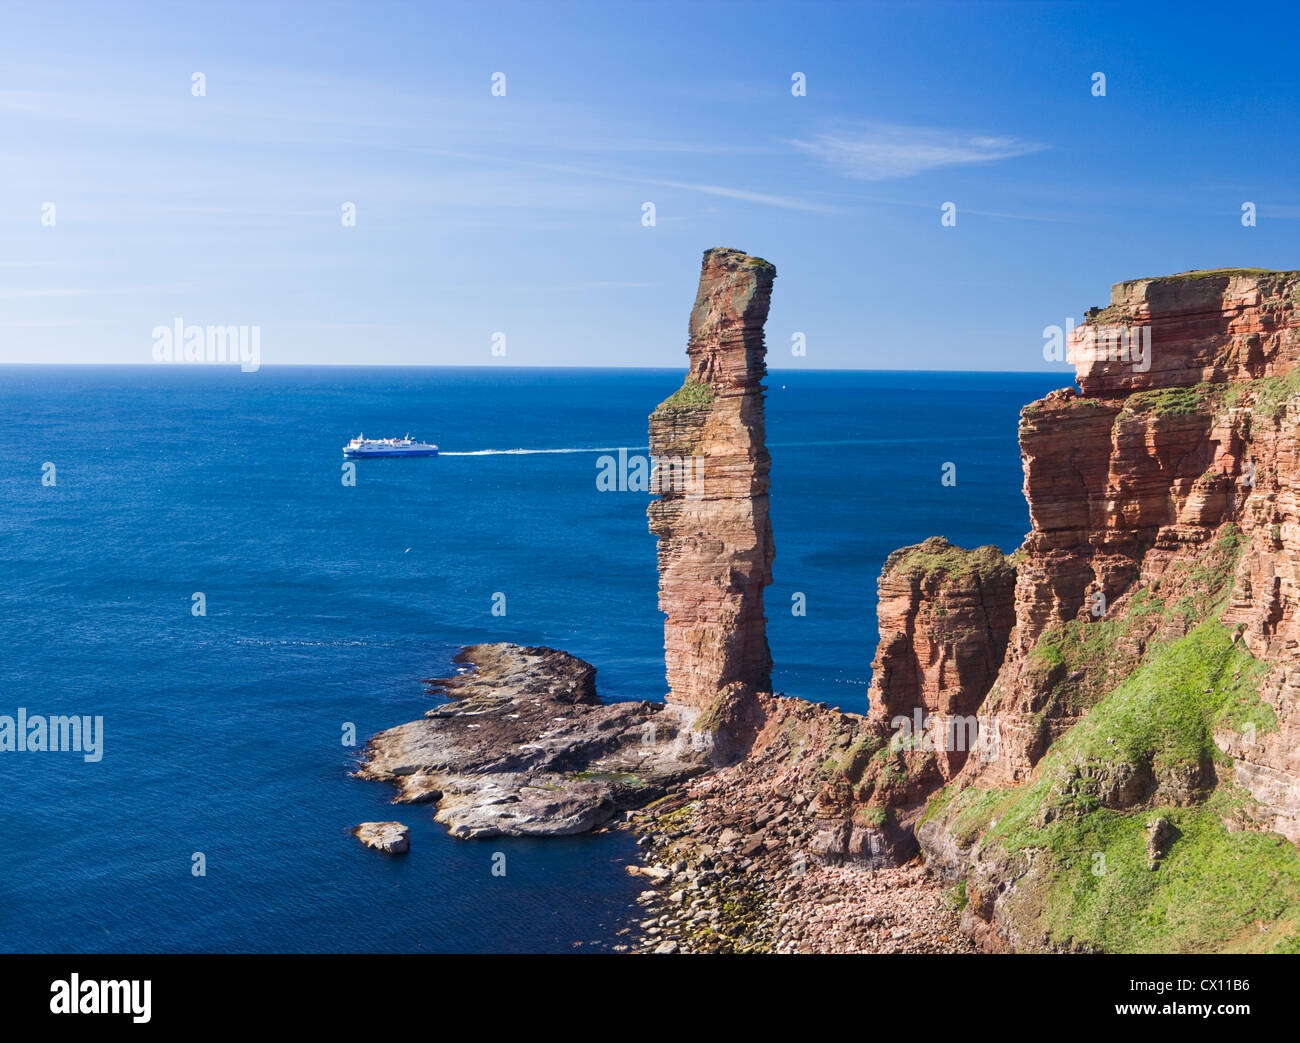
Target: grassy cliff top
937, 556
1206, 273
753, 262
1114, 310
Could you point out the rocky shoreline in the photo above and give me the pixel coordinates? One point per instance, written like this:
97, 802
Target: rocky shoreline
734, 859
723, 881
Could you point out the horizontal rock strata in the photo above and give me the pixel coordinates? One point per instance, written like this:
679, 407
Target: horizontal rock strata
1151, 670
715, 538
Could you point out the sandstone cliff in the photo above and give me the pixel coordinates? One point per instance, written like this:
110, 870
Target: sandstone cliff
1145, 708
945, 616
711, 470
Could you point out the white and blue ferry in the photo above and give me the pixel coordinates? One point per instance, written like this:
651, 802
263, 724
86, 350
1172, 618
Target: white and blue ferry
362, 446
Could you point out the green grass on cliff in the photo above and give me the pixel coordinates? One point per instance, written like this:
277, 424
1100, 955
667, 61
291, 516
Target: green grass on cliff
1214, 890
1088, 884
691, 395
1267, 396
1169, 402
1211, 273
937, 556
1163, 714
1078, 662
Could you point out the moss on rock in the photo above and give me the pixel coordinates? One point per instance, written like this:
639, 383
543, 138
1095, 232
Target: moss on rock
691, 395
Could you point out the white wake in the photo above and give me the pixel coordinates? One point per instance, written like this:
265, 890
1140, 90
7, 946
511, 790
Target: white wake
533, 452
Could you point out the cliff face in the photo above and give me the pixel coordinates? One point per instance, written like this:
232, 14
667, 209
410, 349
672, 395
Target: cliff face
1151, 672
1132, 483
711, 469
1231, 324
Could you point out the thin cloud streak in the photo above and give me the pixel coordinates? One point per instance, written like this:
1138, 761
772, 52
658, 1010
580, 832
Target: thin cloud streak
883, 152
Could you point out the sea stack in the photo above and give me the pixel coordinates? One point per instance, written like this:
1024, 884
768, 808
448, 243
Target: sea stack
945, 615
711, 464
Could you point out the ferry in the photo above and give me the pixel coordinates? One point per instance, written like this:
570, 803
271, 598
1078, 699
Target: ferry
361, 446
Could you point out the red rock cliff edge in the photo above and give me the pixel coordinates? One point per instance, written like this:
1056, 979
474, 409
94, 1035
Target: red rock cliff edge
1151, 674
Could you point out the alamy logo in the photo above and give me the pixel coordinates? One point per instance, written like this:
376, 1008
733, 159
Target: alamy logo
1110, 343
650, 474
74, 996
931, 733
214, 344
57, 734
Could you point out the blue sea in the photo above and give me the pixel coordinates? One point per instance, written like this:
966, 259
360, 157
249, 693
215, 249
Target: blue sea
326, 605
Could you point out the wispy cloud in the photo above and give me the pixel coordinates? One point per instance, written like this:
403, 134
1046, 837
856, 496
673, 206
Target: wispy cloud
60, 292
103, 291
744, 195
880, 152
723, 191
605, 286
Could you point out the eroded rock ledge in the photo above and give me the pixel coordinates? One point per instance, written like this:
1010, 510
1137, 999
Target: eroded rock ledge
524, 747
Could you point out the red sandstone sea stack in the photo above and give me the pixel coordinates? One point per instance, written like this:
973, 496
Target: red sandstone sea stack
944, 615
715, 539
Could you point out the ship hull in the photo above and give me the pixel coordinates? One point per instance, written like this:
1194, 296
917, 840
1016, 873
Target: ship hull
358, 454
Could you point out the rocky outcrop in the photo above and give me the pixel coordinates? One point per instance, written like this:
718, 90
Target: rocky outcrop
1150, 670
711, 466
944, 615
392, 838
525, 747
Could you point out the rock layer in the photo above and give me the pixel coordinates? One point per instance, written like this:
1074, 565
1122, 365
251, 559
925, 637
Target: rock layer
1226, 324
715, 539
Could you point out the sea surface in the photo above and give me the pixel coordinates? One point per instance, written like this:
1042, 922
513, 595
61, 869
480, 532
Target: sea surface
326, 604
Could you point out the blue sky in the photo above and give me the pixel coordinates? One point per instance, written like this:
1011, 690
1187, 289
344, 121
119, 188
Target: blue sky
523, 214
